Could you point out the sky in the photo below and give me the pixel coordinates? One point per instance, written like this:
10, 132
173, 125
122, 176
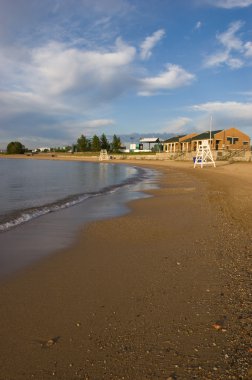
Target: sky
72, 67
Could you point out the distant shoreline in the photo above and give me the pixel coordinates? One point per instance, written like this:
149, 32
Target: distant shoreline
159, 157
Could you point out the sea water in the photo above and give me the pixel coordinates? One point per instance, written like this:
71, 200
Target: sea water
44, 202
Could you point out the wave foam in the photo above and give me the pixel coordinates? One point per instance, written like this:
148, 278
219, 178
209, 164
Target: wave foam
24, 216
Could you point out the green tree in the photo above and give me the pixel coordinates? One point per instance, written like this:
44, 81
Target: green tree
82, 144
116, 144
15, 147
104, 142
95, 144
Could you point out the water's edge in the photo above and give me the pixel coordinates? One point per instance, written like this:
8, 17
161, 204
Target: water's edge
56, 228
17, 217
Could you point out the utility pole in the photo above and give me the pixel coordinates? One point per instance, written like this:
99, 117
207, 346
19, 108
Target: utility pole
211, 121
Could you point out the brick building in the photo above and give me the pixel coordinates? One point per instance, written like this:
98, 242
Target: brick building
173, 145
226, 139
232, 138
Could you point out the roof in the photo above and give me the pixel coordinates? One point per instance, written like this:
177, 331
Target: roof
149, 140
174, 139
205, 135
192, 136
188, 140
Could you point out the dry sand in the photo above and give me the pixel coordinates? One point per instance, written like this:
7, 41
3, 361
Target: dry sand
160, 293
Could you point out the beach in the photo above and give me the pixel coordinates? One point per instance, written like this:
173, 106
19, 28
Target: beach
163, 292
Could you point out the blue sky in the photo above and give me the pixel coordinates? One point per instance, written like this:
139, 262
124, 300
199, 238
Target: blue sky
72, 67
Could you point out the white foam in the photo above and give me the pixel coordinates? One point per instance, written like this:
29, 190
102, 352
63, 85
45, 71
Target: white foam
28, 216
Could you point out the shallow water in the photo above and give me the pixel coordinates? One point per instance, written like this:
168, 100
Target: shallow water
31, 188
96, 191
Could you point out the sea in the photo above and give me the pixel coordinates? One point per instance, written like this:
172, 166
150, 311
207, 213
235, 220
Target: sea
43, 203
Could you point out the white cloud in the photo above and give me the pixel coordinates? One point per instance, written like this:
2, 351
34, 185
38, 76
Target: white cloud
231, 110
248, 49
178, 125
234, 51
173, 77
198, 25
229, 4
224, 115
229, 40
59, 78
216, 59
53, 82
235, 63
57, 82
86, 70
223, 58
75, 128
97, 123
150, 42
16, 102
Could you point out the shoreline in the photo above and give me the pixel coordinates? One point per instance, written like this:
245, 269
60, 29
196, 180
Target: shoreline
34, 237
137, 296
152, 159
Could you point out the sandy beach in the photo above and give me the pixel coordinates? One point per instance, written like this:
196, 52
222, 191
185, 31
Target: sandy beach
163, 292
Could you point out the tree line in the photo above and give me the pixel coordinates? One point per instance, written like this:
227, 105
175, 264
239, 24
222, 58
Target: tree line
83, 144
95, 144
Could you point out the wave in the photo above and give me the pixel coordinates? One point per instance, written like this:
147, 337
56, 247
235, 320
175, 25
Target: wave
19, 217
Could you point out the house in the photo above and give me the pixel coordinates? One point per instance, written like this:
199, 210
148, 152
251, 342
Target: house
221, 139
232, 139
186, 142
208, 135
181, 143
172, 145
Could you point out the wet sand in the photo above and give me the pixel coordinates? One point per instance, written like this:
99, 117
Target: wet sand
160, 293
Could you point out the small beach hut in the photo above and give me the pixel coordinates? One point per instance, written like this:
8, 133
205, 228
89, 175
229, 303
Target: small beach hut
149, 141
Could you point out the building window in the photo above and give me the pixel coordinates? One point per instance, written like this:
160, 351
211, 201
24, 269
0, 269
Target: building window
232, 140
245, 142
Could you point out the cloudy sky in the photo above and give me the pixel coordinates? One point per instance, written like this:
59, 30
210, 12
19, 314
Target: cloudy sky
72, 67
